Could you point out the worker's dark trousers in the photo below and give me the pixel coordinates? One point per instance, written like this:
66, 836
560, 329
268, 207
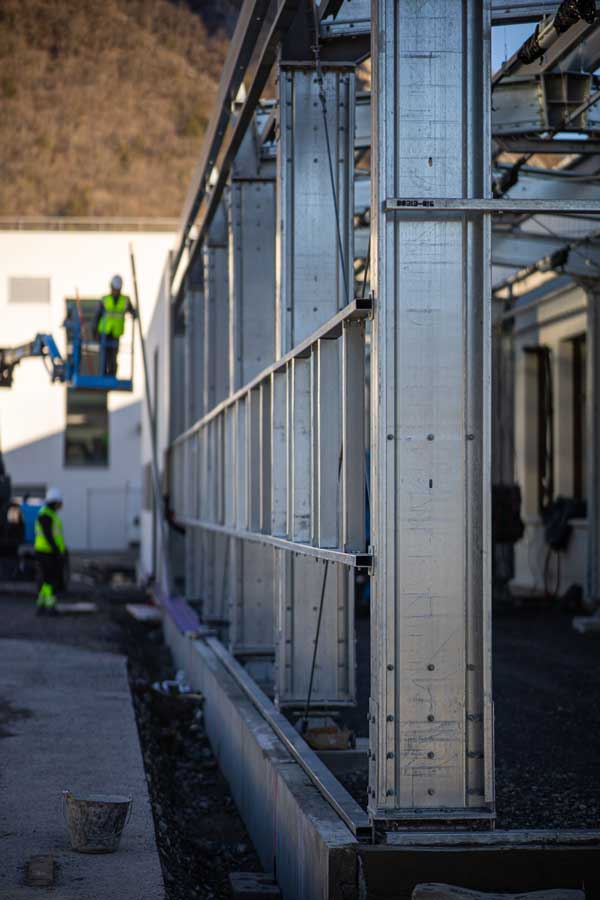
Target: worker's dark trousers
50, 571
112, 352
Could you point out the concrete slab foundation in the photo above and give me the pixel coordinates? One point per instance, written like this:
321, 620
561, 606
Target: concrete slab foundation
67, 722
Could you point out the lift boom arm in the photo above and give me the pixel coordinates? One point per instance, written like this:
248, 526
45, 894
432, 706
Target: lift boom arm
44, 346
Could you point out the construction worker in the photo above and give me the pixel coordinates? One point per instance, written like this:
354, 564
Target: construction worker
50, 551
109, 322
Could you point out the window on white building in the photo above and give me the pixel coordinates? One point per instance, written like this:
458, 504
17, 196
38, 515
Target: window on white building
28, 290
86, 434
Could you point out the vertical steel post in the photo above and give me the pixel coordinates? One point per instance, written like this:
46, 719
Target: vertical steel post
306, 440
309, 276
430, 711
216, 313
592, 288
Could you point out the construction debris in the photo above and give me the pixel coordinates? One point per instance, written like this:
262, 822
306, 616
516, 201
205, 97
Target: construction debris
83, 607
39, 871
587, 624
143, 612
253, 886
326, 734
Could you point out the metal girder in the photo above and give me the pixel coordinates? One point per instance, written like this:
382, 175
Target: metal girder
194, 370
519, 11
431, 742
409, 207
353, 18
593, 440
532, 144
251, 217
519, 250
567, 45
260, 27
547, 102
555, 187
216, 313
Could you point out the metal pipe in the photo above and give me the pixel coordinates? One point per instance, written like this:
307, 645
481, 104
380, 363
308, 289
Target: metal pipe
158, 500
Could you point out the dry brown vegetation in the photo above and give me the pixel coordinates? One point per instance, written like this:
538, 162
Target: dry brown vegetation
103, 104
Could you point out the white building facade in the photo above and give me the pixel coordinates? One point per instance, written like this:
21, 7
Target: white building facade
86, 443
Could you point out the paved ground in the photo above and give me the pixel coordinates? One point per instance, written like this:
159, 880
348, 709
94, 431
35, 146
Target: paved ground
67, 722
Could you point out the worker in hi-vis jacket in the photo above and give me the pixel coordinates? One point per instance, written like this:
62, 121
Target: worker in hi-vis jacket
50, 551
109, 323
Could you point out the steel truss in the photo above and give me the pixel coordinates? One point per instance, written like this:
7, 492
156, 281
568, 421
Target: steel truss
269, 476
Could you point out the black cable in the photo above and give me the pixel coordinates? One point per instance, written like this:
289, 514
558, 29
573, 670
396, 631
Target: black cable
314, 659
367, 264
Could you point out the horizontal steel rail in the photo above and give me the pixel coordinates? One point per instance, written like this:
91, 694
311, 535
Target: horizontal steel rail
326, 783
499, 207
354, 560
358, 309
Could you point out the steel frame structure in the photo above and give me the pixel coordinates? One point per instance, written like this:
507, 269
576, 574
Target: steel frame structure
269, 476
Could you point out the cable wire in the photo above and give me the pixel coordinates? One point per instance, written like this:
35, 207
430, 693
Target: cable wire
316, 644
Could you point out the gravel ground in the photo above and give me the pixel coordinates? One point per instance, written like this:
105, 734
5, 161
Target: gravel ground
547, 705
547, 711
201, 837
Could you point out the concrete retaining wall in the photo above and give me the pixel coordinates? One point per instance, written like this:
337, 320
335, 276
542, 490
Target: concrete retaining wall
296, 833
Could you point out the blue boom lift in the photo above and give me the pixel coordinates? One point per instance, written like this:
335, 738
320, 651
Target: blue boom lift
84, 368
70, 371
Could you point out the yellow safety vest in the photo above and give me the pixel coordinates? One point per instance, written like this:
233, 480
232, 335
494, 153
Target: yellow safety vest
112, 322
42, 545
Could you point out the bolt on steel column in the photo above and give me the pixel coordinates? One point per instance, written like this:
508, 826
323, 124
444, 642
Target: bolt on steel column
430, 710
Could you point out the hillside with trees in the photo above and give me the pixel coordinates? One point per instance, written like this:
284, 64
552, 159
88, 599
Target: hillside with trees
104, 103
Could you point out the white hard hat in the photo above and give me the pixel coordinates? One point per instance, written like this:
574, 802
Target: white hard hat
54, 495
116, 282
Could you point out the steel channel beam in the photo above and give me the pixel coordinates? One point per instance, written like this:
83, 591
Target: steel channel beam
327, 443
325, 782
528, 144
251, 278
593, 440
216, 315
408, 206
562, 49
431, 742
518, 12
353, 435
310, 271
353, 560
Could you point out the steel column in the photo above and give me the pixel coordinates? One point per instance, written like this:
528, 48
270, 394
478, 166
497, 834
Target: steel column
593, 442
216, 315
251, 278
430, 712
310, 277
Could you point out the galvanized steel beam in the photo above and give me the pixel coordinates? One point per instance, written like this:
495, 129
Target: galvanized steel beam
431, 740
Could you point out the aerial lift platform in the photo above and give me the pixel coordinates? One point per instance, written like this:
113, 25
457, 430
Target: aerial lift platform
84, 365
